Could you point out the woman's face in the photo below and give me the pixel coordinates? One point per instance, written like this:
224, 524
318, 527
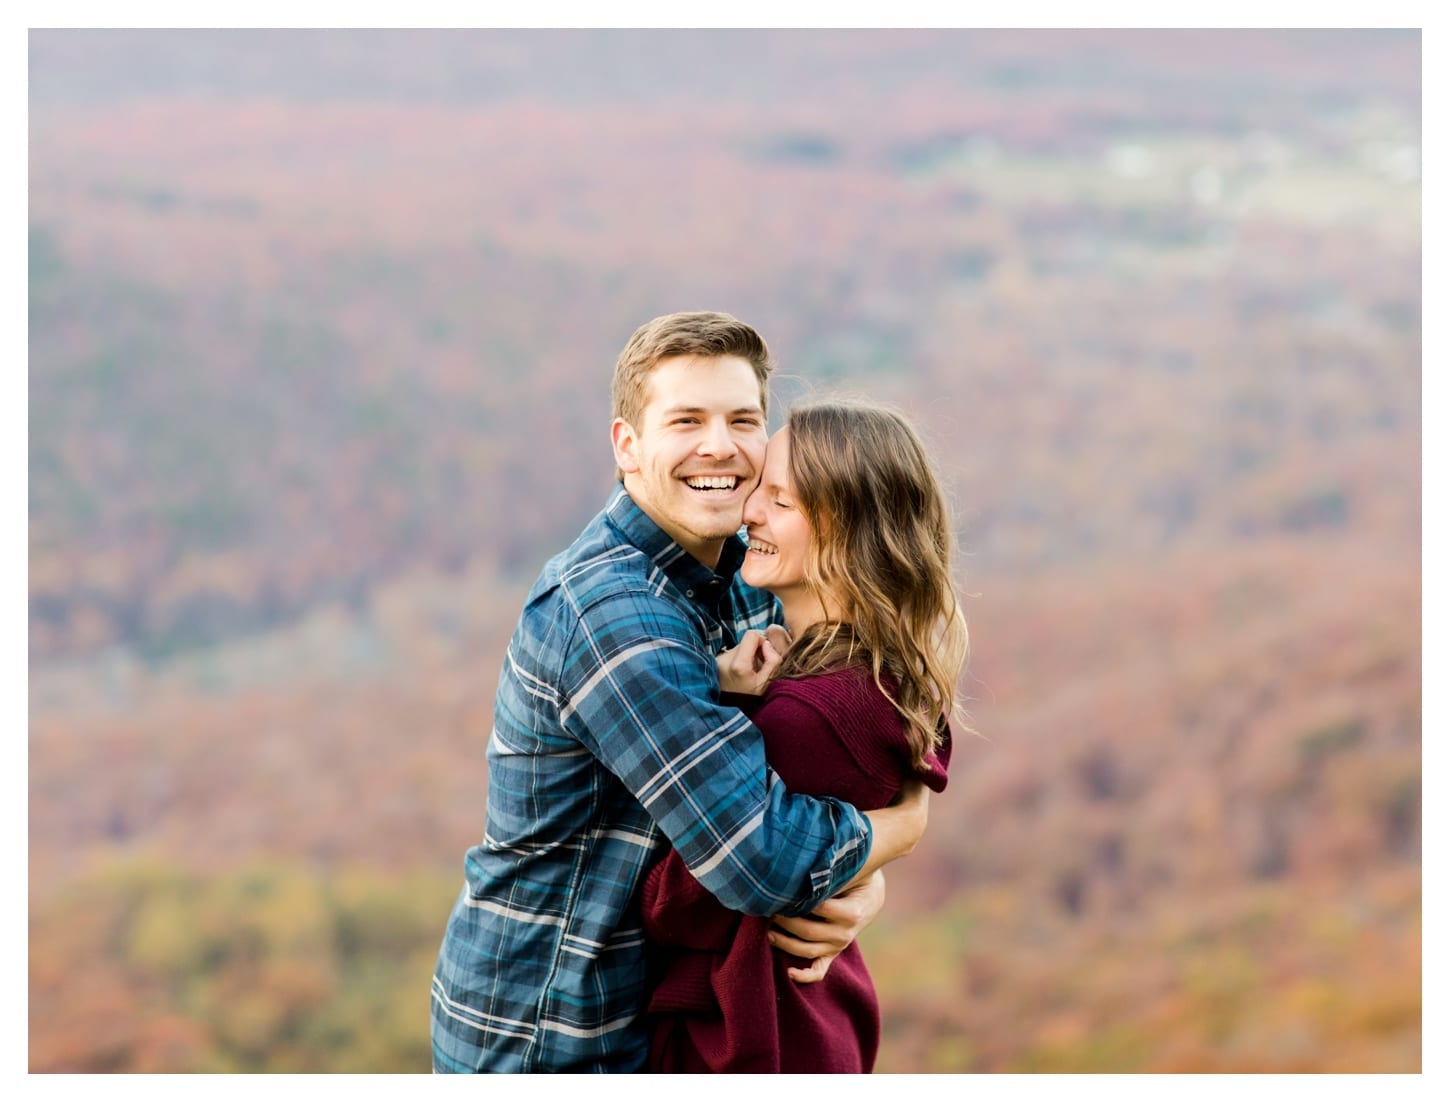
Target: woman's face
780, 535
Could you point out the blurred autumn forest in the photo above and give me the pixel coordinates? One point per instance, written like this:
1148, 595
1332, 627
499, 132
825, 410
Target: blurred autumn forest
321, 326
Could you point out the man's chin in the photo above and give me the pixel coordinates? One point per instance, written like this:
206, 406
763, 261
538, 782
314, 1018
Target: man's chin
721, 534
724, 519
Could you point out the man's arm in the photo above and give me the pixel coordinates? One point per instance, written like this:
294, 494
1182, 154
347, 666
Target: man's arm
639, 694
824, 934
895, 830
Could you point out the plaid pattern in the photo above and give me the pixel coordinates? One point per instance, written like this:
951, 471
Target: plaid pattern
610, 742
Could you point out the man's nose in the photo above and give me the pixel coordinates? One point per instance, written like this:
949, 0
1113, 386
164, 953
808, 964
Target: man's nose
717, 440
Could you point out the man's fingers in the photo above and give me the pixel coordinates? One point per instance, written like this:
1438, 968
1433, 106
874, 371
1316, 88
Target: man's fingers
837, 920
801, 926
848, 909
800, 947
813, 974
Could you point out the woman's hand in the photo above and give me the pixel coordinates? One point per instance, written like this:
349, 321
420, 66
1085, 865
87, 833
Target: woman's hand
746, 667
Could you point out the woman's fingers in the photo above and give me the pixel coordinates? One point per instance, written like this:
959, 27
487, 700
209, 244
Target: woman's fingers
759, 648
767, 657
747, 666
778, 638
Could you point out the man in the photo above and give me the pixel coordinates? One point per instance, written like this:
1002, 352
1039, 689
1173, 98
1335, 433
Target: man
610, 741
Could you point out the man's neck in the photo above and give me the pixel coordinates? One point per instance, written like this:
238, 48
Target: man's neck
707, 552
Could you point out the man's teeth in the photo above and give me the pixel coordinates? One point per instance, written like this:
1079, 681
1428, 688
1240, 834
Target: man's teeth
763, 548
713, 482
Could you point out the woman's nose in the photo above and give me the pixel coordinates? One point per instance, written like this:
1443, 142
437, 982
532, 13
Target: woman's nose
754, 512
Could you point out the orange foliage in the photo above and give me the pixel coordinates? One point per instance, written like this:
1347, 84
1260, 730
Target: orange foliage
315, 386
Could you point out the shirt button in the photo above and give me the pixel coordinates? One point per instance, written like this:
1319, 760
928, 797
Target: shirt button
689, 593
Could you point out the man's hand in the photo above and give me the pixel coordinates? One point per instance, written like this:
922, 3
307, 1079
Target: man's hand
822, 937
746, 667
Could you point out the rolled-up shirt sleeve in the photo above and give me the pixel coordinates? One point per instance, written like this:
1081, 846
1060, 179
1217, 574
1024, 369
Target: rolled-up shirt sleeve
640, 694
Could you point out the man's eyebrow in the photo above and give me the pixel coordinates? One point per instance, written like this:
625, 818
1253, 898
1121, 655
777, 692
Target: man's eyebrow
754, 410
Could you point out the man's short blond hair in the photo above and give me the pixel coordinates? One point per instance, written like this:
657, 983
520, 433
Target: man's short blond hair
691, 334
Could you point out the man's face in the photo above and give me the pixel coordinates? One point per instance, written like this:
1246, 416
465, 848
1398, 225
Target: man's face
696, 454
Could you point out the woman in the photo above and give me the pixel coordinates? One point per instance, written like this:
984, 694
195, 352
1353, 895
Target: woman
849, 529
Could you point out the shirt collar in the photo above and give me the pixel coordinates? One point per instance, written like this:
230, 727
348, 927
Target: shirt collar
686, 571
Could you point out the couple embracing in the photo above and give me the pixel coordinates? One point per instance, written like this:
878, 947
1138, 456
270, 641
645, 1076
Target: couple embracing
705, 748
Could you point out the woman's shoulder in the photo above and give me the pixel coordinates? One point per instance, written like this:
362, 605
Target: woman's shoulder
846, 687
863, 718
847, 699
834, 734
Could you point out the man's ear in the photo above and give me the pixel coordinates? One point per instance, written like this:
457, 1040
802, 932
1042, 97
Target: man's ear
626, 446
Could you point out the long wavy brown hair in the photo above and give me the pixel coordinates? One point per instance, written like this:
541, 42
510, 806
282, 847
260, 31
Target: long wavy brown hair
881, 545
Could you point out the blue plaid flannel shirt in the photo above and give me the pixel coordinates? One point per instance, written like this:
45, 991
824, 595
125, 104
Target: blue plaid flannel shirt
609, 743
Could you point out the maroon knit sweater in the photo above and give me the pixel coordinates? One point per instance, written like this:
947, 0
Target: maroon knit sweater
721, 1000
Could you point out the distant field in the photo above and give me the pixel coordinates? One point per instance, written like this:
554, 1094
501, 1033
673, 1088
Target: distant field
320, 338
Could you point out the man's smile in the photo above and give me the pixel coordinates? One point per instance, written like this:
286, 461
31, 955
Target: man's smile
713, 483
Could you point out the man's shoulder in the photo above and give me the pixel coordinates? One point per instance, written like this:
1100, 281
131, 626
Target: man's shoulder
602, 570
596, 568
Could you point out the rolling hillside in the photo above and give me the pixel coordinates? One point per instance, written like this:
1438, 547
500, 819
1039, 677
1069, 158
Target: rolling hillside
321, 327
